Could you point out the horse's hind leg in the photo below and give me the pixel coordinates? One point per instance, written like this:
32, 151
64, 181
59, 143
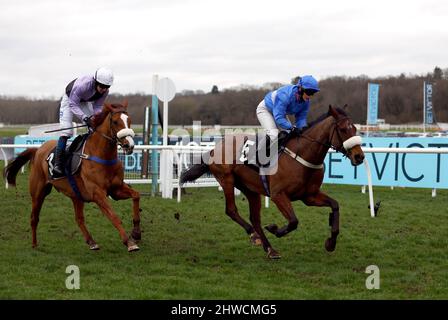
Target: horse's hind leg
322, 200
228, 185
79, 215
126, 192
38, 194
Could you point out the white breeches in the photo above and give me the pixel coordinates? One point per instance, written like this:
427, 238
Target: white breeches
66, 115
267, 121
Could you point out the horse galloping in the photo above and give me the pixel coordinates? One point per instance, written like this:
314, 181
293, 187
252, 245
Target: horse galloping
100, 175
299, 175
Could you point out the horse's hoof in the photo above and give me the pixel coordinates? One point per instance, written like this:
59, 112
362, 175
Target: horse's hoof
133, 247
255, 239
330, 245
274, 255
94, 247
272, 228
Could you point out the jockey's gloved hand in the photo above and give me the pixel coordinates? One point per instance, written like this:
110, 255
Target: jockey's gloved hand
296, 131
89, 122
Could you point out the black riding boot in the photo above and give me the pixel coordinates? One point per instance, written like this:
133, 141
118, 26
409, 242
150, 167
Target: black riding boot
282, 139
58, 169
264, 151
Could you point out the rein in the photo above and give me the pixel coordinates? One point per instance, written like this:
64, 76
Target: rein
114, 138
355, 140
329, 145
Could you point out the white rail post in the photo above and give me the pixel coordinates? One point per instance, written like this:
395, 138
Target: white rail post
179, 157
369, 181
6, 163
166, 174
434, 192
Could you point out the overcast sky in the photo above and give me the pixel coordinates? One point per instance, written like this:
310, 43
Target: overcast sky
44, 44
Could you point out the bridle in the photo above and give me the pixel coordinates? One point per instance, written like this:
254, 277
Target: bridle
328, 145
344, 148
114, 137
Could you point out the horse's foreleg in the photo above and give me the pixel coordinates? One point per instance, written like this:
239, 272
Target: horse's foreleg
79, 215
126, 192
322, 200
101, 200
228, 186
255, 219
284, 205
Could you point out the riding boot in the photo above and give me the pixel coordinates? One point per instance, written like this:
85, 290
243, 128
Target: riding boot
58, 169
264, 149
282, 139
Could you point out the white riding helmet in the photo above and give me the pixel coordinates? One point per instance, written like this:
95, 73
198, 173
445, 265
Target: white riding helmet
104, 76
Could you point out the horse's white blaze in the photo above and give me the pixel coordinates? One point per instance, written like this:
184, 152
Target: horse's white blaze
124, 117
127, 132
351, 142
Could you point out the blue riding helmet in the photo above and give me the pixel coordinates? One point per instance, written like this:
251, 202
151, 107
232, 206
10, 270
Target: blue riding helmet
308, 82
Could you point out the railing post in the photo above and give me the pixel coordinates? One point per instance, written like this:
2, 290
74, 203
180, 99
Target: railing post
154, 137
369, 181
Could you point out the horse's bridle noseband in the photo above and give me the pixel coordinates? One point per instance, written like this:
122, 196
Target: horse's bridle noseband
113, 138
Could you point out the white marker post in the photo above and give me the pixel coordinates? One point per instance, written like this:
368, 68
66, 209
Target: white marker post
369, 182
166, 91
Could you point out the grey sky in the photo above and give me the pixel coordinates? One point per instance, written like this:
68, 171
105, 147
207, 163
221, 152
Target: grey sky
44, 44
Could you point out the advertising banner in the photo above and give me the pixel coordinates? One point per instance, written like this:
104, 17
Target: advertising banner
372, 103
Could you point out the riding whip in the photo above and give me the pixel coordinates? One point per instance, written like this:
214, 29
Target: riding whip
80, 126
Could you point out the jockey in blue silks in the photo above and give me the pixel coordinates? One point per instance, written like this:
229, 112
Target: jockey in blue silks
287, 100
83, 97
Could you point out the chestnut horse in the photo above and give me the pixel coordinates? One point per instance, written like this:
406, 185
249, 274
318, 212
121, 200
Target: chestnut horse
299, 175
96, 179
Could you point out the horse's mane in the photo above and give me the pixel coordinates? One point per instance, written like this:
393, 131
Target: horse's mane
324, 116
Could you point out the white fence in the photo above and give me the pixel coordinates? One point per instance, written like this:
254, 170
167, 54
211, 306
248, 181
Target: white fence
174, 159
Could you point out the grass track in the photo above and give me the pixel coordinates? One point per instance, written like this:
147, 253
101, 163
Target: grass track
205, 255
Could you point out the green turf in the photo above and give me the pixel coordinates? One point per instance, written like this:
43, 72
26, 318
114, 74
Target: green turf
205, 255
12, 131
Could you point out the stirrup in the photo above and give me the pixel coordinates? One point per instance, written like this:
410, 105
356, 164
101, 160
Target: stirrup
58, 171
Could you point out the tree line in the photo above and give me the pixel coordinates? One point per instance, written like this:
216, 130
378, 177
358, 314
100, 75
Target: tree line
400, 101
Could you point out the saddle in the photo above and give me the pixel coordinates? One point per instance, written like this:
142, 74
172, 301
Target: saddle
260, 152
72, 159
257, 155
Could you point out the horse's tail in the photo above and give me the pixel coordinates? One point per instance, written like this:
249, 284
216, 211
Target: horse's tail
194, 172
11, 170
